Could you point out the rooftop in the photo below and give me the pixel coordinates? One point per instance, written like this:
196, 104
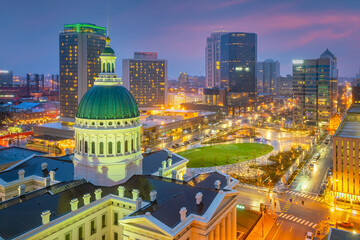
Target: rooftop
13, 154
349, 129
152, 161
338, 234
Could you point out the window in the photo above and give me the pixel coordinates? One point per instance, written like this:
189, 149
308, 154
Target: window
103, 67
81, 233
103, 220
80, 145
116, 236
103, 237
116, 218
126, 145
113, 68
86, 146
108, 67
118, 147
68, 236
93, 147
110, 147
101, 148
132, 144
92, 227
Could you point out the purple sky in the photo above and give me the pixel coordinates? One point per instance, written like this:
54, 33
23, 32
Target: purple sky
177, 30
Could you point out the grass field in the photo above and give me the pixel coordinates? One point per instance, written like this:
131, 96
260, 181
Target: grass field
224, 154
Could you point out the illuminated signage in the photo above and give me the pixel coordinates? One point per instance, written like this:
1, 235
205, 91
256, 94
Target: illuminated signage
297, 61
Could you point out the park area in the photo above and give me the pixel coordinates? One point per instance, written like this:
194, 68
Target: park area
224, 154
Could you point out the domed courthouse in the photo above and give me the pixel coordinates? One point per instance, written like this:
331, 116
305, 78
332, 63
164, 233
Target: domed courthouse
108, 189
107, 129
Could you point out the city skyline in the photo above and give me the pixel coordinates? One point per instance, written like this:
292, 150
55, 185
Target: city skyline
178, 31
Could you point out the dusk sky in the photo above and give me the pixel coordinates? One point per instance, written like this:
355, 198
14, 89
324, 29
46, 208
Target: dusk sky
177, 30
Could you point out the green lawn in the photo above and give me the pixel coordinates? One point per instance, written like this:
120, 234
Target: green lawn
224, 154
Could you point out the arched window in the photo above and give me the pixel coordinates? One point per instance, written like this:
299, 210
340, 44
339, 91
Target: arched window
118, 149
110, 147
126, 145
132, 144
93, 148
80, 145
108, 67
113, 67
101, 148
86, 147
103, 68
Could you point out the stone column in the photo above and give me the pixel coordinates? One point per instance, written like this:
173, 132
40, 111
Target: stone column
228, 226
233, 224
223, 229
211, 235
217, 232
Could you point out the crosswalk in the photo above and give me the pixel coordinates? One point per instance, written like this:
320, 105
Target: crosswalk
297, 220
303, 195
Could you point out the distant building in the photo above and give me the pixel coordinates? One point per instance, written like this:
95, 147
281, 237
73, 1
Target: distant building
145, 76
183, 80
215, 96
355, 94
315, 89
346, 142
175, 99
212, 59
285, 86
80, 46
267, 76
6, 78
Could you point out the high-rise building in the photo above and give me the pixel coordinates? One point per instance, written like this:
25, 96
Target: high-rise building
315, 89
212, 59
145, 76
80, 47
267, 76
6, 78
238, 58
183, 80
285, 86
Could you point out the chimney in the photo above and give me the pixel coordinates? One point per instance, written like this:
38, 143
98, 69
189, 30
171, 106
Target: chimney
121, 191
163, 164
67, 151
44, 166
45, 216
153, 194
135, 194
86, 198
47, 181
52, 175
74, 204
228, 179
173, 174
161, 172
182, 212
198, 198
21, 173
138, 203
98, 193
169, 154
21, 190
217, 184
169, 161
185, 176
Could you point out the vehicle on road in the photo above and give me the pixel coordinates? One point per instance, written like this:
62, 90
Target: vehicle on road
317, 156
309, 236
311, 166
314, 161
346, 224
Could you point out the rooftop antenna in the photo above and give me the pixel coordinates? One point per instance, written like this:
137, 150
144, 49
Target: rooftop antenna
107, 18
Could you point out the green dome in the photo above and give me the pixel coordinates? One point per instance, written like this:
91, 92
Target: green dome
108, 50
107, 102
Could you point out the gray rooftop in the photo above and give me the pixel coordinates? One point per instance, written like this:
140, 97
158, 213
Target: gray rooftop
14, 154
350, 129
355, 108
338, 234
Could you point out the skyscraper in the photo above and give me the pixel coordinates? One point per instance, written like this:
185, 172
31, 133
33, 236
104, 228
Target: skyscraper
212, 59
6, 78
267, 76
315, 89
80, 47
238, 58
145, 76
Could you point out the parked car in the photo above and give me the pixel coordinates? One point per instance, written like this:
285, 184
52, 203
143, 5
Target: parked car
309, 236
346, 224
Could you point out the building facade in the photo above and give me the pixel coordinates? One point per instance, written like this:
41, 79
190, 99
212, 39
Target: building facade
267, 76
80, 46
285, 86
6, 78
212, 59
346, 148
315, 89
145, 77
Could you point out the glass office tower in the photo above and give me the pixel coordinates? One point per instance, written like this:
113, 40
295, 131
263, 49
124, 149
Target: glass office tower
80, 47
315, 89
238, 59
